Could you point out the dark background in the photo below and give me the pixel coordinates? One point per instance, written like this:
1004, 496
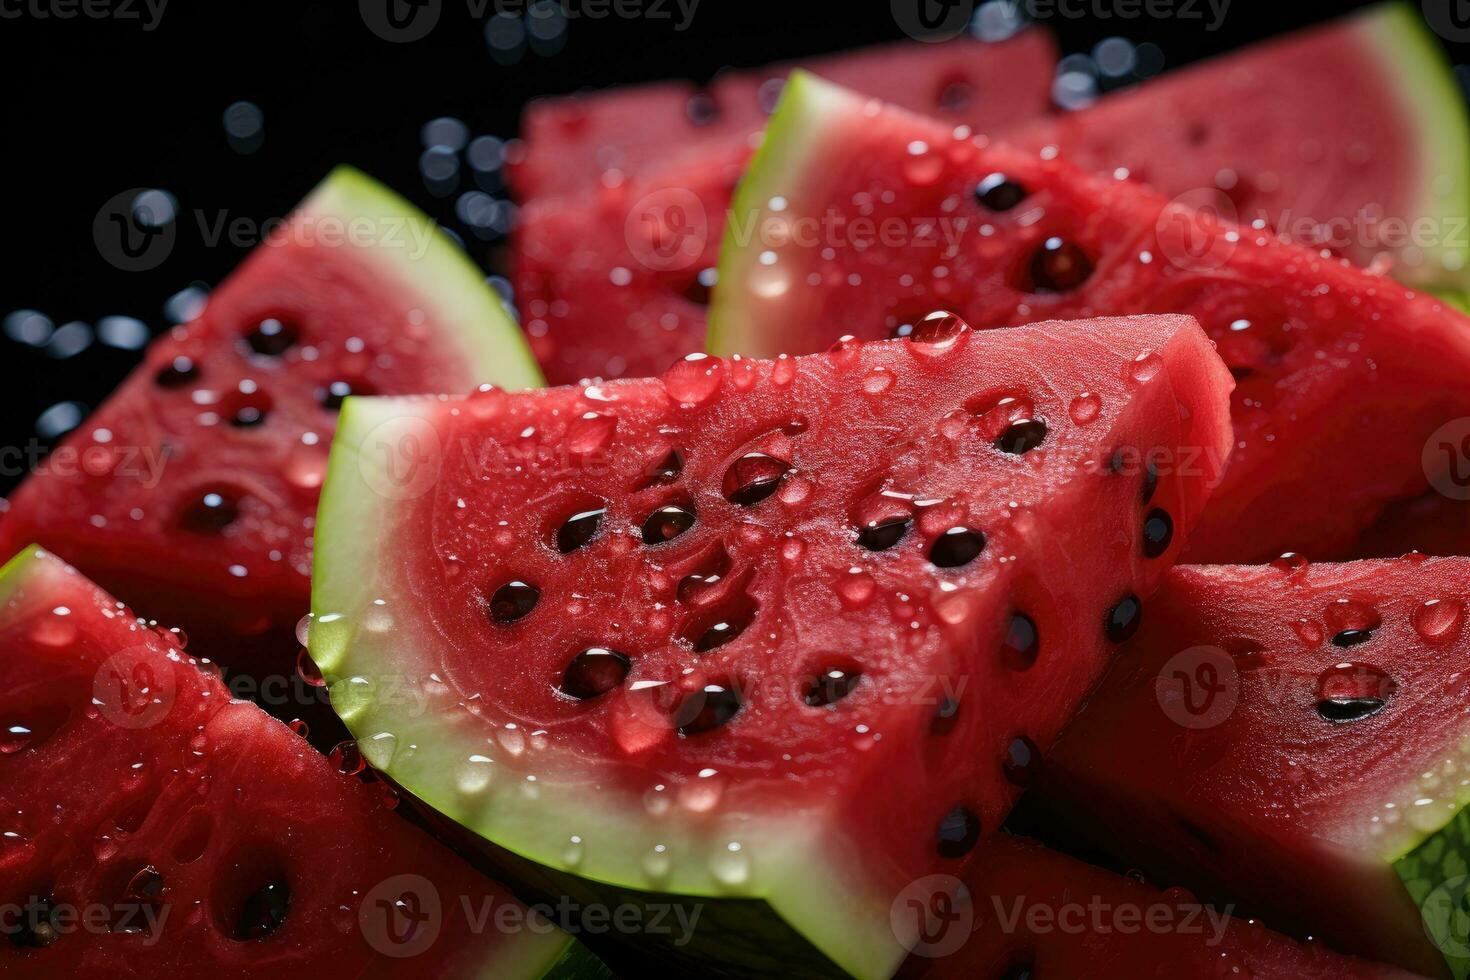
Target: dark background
95, 106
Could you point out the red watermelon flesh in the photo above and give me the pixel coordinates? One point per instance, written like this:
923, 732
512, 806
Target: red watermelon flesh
1342, 375
193, 490
1293, 737
1431, 524
1337, 137
153, 827
572, 144
616, 279
720, 633
1033, 909
613, 277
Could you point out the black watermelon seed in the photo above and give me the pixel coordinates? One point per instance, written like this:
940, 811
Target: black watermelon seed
1352, 638
211, 513
946, 716
578, 530
957, 546
884, 534
1021, 436
1020, 971
273, 337
831, 686
1022, 761
1058, 267
177, 373
1123, 619
959, 832
512, 601
667, 523
36, 928
1158, 532
999, 193
594, 672
1022, 643
339, 391
1342, 710
716, 704
754, 477
263, 911
248, 416
720, 633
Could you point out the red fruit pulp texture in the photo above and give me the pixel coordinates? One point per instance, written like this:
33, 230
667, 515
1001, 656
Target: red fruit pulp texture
612, 277
206, 837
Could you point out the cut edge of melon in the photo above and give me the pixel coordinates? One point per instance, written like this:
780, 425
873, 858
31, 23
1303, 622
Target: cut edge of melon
24, 565
794, 867
408, 248
1429, 95
809, 107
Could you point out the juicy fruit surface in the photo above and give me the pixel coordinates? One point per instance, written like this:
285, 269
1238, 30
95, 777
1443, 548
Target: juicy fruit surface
1038, 910
614, 276
575, 143
732, 624
1341, 375
193, 489
1247, 133
1284, 734
202, 836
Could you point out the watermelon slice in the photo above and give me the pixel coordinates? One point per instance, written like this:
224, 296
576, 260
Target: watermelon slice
614, 280
1249, 132
154, 827
869, 217
757, 630
193, 490
1037, 913
1293, 736
571, 144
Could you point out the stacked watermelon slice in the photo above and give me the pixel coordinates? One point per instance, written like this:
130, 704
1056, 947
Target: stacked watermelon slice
850, 526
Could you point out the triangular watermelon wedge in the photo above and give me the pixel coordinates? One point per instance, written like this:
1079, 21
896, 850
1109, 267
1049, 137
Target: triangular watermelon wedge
613, 275
1031, 912
616, 279
758, 630
193, 490
154, 827
861, 218
1351, 136
572, 144
1294, 737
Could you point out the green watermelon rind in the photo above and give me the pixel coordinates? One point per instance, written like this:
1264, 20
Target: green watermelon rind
792, 136
847, 919
413, 253
1431, 98
1436, 875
